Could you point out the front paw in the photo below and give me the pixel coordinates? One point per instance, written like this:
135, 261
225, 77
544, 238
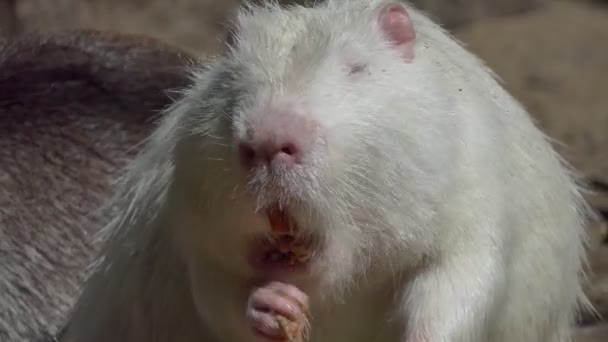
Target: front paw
278, 312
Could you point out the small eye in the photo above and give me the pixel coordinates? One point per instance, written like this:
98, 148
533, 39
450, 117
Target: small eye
357, 68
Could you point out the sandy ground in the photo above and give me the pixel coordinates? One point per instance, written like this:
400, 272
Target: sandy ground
553, 58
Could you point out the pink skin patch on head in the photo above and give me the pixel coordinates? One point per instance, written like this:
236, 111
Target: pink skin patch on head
395, 22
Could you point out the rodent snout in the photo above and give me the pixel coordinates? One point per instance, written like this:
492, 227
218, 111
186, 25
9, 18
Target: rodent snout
277, 139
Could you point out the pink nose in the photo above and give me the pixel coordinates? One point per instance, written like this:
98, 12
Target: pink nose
277, 138
252, 153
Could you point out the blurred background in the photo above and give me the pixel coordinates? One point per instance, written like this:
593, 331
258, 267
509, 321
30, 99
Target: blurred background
551, 54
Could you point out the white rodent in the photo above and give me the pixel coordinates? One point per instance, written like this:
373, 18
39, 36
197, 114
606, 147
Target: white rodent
436, 209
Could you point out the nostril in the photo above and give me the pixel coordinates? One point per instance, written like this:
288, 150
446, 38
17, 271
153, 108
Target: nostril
247, 154
289, 149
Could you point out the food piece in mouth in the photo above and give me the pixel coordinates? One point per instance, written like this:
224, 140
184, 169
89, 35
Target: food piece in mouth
286, 248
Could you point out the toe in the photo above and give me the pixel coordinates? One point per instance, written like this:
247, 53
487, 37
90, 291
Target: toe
270, 300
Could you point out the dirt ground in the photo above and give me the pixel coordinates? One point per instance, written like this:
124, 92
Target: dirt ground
551, 54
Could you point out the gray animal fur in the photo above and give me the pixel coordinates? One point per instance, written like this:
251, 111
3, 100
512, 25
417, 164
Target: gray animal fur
73, 107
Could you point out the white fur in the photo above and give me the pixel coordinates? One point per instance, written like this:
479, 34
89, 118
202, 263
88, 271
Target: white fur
445, 214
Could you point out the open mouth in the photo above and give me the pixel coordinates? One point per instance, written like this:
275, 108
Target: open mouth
285, 246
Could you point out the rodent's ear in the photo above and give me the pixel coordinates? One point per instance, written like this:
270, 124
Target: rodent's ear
397, 25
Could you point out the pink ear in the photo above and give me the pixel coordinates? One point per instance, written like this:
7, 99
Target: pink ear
395, 22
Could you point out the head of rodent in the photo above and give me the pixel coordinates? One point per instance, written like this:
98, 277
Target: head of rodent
331, 112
